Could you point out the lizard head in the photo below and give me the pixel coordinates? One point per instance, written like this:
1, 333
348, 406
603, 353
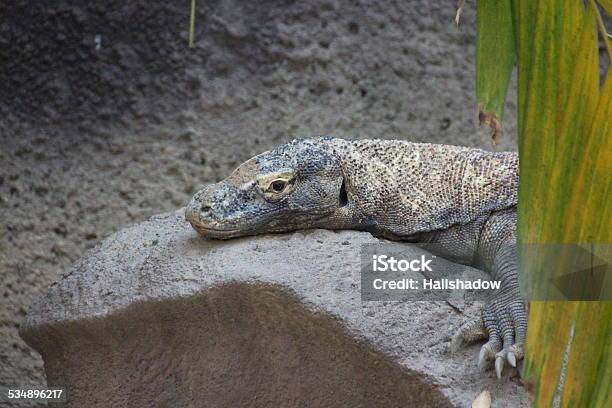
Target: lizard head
298, 185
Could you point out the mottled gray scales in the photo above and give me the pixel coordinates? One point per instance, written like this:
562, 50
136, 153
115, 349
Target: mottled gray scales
461, 199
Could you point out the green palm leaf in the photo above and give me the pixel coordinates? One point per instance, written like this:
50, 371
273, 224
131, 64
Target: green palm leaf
565, 166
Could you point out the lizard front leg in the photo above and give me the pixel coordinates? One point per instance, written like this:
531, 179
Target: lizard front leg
504, 317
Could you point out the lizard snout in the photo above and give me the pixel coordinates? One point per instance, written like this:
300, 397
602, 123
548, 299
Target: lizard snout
199, 211
213, 211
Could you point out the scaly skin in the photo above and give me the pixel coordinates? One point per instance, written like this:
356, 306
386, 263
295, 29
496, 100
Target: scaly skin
462, 199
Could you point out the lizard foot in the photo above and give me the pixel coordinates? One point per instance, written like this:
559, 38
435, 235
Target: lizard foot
505, 320
504, 323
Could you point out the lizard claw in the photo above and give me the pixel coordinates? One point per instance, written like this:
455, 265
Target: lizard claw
483, 362
486, 355
500, 360
511, 359
515, 353
499, 365
456, 342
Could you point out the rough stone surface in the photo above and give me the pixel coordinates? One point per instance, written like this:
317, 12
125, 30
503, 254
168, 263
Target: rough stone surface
93, 139
158, 315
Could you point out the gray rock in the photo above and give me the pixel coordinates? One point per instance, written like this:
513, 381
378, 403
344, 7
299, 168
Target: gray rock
157, 316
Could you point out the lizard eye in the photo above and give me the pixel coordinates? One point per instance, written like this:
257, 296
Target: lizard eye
278, 186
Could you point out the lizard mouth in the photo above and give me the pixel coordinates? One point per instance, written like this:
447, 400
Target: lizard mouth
226, 233
218, 233
205, 228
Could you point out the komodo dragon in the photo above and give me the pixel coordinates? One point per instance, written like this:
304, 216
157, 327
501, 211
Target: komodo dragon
462, 199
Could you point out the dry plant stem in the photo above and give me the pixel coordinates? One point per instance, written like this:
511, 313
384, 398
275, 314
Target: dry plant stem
192, 23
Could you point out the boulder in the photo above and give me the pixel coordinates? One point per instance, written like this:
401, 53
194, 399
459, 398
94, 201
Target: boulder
158, 316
